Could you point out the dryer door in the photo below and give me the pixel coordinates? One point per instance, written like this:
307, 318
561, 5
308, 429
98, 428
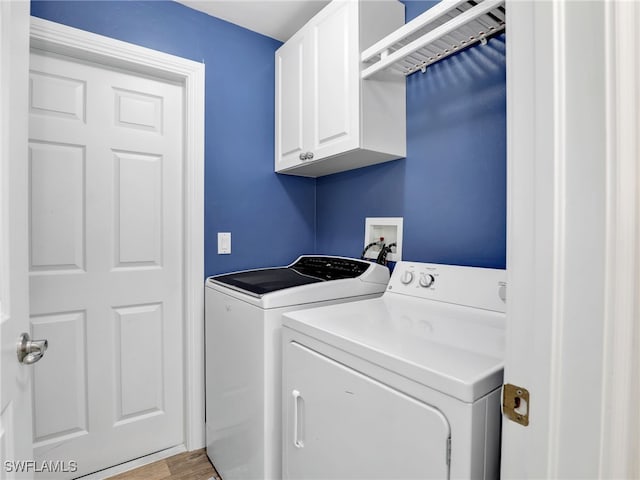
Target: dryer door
341, 424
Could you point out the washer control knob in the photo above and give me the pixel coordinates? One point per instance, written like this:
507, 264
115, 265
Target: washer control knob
407, 277
426, 280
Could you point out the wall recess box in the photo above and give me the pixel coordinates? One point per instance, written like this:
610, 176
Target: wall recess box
388, 228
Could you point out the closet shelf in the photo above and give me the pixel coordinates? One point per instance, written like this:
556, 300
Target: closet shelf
444, 29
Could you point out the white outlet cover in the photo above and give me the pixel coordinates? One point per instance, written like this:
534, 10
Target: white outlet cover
224, 243
388, 227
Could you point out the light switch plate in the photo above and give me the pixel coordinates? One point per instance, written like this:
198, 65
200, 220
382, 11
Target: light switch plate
224, 243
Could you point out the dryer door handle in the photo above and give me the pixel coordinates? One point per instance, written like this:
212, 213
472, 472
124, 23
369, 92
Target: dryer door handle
298, 411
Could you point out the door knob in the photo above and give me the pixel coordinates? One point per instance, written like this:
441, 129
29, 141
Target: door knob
30, 351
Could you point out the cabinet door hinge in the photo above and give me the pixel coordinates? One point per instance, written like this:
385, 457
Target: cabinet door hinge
515, 403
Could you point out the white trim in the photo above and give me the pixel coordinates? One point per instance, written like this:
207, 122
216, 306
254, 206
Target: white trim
69, 41
15, 387
559, 249
621, 385
138, 462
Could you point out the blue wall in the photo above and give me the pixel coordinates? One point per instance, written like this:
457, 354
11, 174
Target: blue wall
271, 217
451, 188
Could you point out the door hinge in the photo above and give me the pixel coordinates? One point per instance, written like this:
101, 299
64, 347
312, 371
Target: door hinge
515, 403
449, 451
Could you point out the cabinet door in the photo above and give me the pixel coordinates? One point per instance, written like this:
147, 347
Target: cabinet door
341, 424
290, 109
334, 80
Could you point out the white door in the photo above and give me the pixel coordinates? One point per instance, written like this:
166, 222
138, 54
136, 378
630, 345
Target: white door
105, 262
340, 424
15, 386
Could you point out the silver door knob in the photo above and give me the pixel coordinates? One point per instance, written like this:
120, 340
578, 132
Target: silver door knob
30, 351
309, 155
303, 156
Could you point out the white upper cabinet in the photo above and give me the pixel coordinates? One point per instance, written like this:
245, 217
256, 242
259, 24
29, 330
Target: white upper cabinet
290, 121
327, 118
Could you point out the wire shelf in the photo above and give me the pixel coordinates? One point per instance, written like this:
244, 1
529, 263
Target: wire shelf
441, 31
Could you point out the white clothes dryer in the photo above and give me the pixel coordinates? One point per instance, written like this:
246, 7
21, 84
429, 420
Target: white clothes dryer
243, 312
401, 387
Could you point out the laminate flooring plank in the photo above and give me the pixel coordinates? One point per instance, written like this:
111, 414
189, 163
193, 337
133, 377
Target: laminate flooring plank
153, 471
184, 466
191, 465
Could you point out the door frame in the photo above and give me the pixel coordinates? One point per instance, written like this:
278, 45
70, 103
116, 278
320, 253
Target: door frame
573, 238
621, 357
61, 39
15, 379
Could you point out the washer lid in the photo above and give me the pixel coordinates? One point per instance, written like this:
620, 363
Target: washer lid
454, 349
259, 282
304, 271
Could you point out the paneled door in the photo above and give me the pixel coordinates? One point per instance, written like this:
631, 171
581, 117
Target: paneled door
105, 262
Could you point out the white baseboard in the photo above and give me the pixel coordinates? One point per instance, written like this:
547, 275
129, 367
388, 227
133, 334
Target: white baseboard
138, 462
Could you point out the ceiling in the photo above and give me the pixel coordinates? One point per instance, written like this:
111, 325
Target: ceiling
274, 18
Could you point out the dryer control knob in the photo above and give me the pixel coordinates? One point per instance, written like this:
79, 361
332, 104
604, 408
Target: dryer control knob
407, 277
426, 280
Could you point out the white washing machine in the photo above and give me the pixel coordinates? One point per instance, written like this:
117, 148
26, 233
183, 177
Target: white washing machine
405, 386
243, 312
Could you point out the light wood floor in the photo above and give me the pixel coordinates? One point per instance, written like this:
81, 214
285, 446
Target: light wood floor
184, 466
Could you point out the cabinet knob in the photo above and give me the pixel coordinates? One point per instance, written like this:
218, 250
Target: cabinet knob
306, 156
303, 156
309, 155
